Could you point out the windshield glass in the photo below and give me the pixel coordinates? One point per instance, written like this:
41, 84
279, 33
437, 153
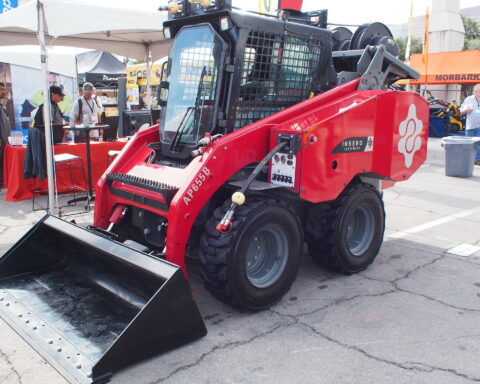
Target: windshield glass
192, 76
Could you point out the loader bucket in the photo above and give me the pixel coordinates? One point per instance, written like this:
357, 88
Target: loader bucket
90, 305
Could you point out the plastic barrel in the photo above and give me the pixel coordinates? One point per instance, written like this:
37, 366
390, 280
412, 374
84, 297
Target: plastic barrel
459, 155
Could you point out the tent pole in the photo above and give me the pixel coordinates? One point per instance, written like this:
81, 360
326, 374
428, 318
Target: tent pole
149, 91
76, 94
46, 108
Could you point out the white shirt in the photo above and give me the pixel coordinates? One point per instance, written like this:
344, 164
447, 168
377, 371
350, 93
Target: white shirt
90, 111
473, 118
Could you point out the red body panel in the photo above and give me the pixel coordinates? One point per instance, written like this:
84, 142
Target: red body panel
331, 117
322, 175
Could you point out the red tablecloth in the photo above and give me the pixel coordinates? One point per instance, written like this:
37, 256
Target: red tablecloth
19, 188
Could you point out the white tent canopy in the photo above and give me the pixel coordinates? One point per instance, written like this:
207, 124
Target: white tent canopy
84, 24
80, 23
62, 62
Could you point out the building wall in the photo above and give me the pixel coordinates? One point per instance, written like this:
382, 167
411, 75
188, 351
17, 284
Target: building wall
418, 23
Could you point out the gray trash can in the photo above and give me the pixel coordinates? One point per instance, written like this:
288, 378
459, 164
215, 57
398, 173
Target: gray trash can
460, 155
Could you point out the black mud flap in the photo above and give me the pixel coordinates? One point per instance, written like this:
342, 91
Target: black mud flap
90, 305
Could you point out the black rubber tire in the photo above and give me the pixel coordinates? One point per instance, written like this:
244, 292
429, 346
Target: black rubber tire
222, 256
328, 225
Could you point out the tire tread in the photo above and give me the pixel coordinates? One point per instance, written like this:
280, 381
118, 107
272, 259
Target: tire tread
215, 246
320, 232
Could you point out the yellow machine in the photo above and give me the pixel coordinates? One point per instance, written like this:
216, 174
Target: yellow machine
137, 81
449, 112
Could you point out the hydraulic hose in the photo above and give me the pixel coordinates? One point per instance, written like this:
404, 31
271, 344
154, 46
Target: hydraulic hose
238, 198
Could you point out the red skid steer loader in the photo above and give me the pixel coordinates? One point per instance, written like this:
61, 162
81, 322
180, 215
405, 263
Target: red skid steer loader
274, 131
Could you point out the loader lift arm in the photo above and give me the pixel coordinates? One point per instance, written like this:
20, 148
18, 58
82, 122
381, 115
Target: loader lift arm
376, 67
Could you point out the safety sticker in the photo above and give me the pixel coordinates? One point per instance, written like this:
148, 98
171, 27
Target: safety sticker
355, 144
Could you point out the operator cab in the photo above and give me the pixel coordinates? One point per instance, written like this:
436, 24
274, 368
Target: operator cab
228, 69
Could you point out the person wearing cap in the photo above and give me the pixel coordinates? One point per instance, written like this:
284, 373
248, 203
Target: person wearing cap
56, 95
86, 109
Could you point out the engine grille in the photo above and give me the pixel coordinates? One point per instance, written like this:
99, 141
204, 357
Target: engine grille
167, 191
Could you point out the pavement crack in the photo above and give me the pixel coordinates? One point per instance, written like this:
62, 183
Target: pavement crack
373, 279
219, 348
409, 366
435, 300
11, 366
334, 303
427, 368
408, 274
472, 259
404, 276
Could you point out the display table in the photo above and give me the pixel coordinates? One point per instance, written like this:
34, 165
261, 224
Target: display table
86, 129
19, 188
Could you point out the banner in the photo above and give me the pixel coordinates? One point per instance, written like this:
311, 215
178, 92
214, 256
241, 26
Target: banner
8, 5
27, 93
107, 77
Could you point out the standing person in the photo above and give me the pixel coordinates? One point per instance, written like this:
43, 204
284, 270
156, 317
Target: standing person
471, 106
101, 110
56, 96
141, 101
4, 126
85, 109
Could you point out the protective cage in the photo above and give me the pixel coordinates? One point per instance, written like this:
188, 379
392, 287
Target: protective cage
279, 70
270, 64
90, 305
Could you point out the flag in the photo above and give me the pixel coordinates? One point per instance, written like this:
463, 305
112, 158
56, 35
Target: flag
267, 6
426, 38
409, 40
290, 4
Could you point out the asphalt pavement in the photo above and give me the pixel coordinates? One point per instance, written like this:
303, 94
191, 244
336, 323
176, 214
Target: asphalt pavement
412, 317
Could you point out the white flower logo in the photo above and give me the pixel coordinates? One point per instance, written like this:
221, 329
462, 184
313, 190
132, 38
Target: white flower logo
409, 130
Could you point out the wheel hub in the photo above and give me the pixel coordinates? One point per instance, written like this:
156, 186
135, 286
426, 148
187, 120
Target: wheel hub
360, 230
266, 255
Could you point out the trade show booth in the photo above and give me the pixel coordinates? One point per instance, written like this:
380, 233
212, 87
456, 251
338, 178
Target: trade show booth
103, 69
451, 74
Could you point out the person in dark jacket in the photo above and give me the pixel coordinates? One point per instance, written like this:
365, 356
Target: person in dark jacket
4, 127
56, 95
